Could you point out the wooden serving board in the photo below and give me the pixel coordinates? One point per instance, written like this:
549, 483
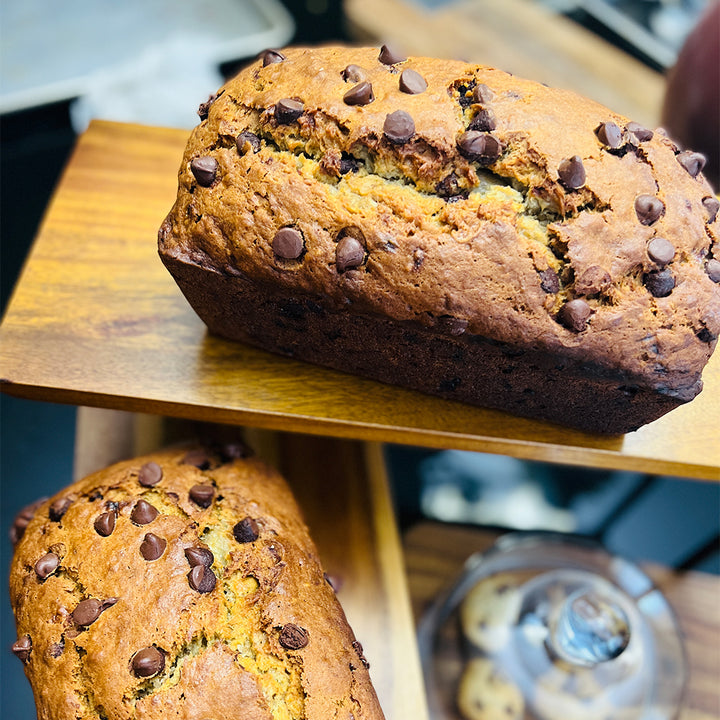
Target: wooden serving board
96, 320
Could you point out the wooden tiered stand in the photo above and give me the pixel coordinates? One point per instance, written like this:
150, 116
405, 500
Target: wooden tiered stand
96, 321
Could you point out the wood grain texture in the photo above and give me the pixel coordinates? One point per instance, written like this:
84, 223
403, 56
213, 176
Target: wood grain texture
435, 554
520, 36
96, 320
344, 495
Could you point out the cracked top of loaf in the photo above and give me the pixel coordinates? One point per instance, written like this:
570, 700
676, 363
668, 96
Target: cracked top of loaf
460, 197
182, 583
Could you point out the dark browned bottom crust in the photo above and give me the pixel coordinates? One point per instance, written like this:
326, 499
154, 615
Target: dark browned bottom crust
466, 368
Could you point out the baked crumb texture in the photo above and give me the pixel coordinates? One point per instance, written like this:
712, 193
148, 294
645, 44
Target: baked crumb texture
451, 228
181, 585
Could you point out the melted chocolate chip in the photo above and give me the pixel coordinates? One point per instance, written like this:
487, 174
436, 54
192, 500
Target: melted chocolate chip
549, 281
152, 547
22, 519
202, 495
360, 653
288, 110
199, 556
143, 513
47, 565
361, 94
353, 73
246, 531
412, 82
660, 284
571, 173
660, 251
649, 209
197, 458
204, 109
22, 647
638, 132
574, 315
349, 253
293, 637
108, 603
86, 612
57, 649
202, 579
348, 164
247, 142
399, 127
269, 57
150, 474
147, 662
484, 120
482, 94
711, 205
693, 162
609, 134
204, 169
59, 508
105, 524
480, 147
390, 56
712, 268
592, 280
288, 243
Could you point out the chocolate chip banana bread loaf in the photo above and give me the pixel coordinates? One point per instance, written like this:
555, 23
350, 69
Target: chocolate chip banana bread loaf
450, 228
181, 584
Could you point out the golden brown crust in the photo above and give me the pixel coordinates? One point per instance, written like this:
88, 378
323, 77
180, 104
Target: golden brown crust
507, 202
266, 641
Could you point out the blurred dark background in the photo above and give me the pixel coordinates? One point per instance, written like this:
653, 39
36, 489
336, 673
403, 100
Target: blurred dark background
662, 519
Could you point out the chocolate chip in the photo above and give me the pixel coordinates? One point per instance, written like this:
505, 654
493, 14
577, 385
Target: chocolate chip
247, 141
150, 474
610, 134
197, 458
571, 173
246, 530
399, 127
86, 612
412, 82
269, 57
22, 519
148, 662
480, 147
592, 280
361, 94
418, 258
712, 268
47, 565
204, 109
484, 120
293, 637
202, 579
348, 164
693, 162
549, 281
349, 253
455, 326
199, 556
108, 603
105, 524
231, 451
482, 94
659, 283
711, 205
360, 653
204, 169
288, 243
152, 547
22, 647
202, 495
639, 133
57, 649
353, 73
390, 56
574, 315
59, 508
288, 110
649, 209
143, 513
660, 251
